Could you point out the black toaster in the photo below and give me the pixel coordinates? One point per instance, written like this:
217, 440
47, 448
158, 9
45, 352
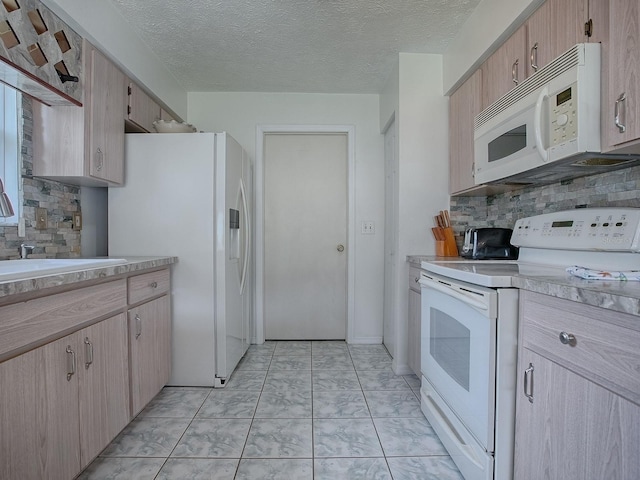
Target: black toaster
488, 244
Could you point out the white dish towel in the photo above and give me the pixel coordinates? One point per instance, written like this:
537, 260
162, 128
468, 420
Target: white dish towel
591, 274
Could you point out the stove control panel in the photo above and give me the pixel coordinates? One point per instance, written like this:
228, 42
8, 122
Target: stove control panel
599, 229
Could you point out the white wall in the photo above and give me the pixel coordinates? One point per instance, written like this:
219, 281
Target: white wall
95, 229
240, 114
492, 22
390, 98
416, 100
423, 129
104, 27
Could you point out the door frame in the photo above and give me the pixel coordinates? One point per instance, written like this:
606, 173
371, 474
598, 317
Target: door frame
261, 131
390, 296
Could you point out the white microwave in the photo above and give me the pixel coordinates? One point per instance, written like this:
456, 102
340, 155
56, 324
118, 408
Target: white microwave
548, 127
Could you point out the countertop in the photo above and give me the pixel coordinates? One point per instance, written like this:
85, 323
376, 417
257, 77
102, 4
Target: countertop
42, 281
620, 296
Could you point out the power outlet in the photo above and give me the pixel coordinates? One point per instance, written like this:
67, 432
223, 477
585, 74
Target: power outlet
368, 228
41, 219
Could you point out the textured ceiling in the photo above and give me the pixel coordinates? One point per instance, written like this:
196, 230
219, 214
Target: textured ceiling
311, 46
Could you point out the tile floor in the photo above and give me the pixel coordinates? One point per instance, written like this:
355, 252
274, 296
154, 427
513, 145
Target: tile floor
292, 410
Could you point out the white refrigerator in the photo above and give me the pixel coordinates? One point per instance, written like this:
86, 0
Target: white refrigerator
189, 195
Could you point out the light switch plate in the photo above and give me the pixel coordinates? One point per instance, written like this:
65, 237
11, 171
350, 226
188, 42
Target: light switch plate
368, 227
41, 219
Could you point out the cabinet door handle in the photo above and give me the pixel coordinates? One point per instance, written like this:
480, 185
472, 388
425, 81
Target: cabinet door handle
153, 284
88, 352
138, 321
71, 362
621, 126
99, 157
528, 383
514, 72
534, 57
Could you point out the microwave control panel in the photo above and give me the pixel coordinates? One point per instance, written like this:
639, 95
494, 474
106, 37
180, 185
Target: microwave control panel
603, 229
563, 115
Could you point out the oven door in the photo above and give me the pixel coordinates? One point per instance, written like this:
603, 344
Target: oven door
459, 350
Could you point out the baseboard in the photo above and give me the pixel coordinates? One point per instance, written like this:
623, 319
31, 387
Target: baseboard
366, 341
401, 369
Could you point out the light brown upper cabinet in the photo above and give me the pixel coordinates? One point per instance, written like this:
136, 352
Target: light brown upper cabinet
84, 145
142, 110
505, 67
621, 102
553, 29
464, 105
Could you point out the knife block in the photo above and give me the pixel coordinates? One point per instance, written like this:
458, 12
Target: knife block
446, 247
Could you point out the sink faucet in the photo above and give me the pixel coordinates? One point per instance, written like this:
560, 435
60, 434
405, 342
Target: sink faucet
25, 250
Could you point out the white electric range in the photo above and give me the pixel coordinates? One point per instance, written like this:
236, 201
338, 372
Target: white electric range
470, 322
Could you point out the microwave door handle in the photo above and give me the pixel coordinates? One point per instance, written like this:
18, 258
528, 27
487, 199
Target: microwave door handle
469, 300
537, 125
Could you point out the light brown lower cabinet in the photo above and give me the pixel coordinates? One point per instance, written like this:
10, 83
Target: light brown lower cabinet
61, 404
574, 429
103, 373
577, 403
150, 347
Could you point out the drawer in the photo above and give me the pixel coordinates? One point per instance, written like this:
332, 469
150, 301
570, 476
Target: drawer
602, 350
148, 285
414, 277
29, 324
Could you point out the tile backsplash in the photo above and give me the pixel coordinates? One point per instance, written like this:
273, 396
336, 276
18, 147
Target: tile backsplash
58, 240
620, 188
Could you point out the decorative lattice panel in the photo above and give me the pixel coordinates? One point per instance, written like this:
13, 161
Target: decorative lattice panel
39, 54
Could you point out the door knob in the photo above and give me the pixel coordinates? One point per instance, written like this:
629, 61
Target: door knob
340, 248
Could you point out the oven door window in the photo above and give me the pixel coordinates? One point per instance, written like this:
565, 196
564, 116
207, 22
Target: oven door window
450, 346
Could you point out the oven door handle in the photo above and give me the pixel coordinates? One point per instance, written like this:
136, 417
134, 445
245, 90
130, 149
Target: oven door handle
452, 432
463, 297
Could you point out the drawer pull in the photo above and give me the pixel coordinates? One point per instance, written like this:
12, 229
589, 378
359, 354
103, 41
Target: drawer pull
417, 279
71, 362
528, 383
568, 339
153, 284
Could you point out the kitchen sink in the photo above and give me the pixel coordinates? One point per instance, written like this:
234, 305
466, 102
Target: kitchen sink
37, 267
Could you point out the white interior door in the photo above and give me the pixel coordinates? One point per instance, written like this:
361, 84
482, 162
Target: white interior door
305, 236
390, 231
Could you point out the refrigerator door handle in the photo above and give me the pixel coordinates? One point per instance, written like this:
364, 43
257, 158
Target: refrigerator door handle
247, 236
